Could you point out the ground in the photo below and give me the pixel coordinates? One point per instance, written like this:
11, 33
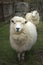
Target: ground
8, 56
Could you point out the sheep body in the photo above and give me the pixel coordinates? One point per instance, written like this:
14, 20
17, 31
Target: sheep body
33, 17
26, 38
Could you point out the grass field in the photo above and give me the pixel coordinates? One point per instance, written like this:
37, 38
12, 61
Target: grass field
8, 55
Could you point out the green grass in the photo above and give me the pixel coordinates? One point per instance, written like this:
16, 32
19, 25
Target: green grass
8, 55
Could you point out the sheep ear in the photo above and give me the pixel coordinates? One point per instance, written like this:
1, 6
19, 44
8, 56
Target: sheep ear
31, 11
25, 21
12, 21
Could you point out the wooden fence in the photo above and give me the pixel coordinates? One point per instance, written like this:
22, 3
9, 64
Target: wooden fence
6, 10
9, 9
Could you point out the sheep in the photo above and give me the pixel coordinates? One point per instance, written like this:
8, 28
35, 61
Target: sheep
33, 17
23, 35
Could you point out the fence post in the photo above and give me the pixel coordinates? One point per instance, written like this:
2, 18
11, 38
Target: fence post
2, 12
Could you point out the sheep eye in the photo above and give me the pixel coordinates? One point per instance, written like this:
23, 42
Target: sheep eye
12, 21
36, 12
25, 21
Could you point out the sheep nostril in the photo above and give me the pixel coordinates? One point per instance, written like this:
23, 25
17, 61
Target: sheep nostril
17, 29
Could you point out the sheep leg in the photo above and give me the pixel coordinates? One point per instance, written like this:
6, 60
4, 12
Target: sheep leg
23, 55
19, 56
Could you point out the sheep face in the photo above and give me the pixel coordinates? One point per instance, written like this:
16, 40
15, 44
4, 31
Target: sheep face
18, 24
35, 14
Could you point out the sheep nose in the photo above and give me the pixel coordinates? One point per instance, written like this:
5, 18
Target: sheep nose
17, 29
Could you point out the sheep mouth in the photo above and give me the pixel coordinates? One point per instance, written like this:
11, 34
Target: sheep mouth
19, 32
34, 19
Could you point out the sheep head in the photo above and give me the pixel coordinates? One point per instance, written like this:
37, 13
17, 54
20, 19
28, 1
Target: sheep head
18, 24
35, 15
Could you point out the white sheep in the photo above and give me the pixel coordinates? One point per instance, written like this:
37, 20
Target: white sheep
33, 17
23, 34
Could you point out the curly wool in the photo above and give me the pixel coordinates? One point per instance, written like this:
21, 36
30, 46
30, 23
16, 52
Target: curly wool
25, 39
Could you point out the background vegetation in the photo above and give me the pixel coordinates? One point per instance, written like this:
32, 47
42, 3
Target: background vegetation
9, 57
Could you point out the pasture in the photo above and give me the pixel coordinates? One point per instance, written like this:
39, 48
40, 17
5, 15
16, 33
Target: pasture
8, 56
